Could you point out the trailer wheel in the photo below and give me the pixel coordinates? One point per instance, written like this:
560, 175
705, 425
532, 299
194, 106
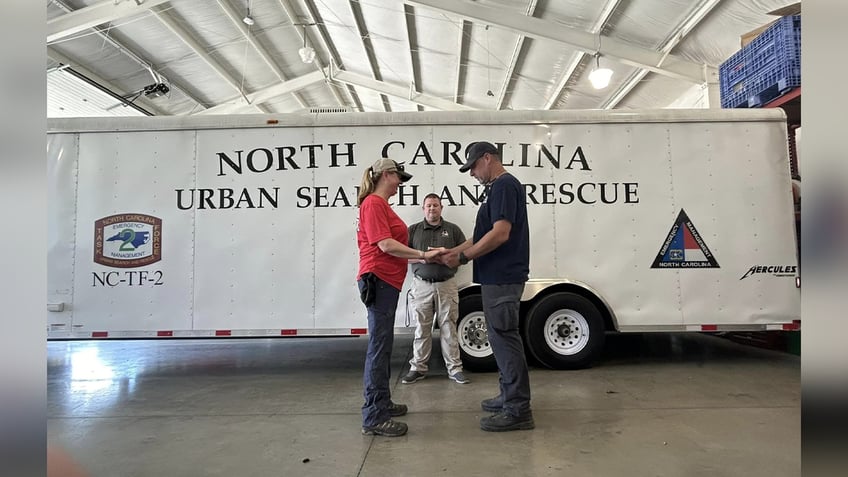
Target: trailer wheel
564, 331
474, 347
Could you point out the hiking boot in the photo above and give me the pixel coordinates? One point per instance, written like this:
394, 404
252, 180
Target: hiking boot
388, 428
413, 376
459, 377
494, 404
397, 410
503, 421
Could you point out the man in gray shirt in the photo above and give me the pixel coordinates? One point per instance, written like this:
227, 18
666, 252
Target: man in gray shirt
434, 293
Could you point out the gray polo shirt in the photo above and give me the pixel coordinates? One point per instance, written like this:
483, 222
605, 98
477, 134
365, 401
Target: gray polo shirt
423, 235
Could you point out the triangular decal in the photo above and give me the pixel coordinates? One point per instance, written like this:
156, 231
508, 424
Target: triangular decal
684, 247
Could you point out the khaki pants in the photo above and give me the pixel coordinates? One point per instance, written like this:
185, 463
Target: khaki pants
428, 301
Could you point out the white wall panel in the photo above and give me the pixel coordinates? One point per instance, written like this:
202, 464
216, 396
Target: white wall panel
610, 247
62, 154
254, 266
123, 173
738, 227
333, 212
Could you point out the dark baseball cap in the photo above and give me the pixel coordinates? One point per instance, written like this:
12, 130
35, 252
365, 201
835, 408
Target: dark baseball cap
475, 151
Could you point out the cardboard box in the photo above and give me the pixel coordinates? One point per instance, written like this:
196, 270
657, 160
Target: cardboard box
793, 9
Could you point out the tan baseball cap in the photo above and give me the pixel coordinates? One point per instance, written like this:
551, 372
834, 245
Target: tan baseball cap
387, 165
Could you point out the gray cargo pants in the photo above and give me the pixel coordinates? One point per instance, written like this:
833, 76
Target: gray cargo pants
501, 305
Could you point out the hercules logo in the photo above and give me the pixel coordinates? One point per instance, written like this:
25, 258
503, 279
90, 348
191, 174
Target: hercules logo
776, 270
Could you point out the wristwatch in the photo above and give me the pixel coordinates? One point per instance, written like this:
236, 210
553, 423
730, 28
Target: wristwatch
462, 258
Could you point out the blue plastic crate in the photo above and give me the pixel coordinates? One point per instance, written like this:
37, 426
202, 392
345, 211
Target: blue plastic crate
732, 76
765, 68
774, 61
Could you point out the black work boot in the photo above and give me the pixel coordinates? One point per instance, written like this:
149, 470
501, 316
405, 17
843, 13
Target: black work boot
494, 404
504, 421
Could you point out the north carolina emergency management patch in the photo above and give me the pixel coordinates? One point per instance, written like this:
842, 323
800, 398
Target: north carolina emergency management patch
128, 240
684, 247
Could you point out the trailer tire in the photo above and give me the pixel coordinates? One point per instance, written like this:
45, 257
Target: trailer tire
564, 331
474, 347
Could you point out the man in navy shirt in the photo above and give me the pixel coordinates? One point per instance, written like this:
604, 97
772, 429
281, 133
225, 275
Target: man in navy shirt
500, 249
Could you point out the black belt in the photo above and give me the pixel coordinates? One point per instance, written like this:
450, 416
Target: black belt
433, 280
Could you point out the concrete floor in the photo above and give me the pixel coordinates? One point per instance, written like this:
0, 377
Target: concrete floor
657, 405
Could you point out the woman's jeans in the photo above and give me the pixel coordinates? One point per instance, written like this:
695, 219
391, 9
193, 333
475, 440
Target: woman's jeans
381, 335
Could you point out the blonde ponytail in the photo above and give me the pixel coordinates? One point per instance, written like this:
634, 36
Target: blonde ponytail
366, 187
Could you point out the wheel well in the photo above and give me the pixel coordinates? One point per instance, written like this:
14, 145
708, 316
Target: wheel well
609, 322
469, 290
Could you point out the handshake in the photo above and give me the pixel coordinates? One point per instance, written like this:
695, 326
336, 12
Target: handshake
445, 256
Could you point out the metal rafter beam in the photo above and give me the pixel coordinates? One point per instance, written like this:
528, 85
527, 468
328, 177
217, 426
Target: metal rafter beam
110, 39
294, 17
236, 18
93, 15
568, 73
695, 16
510, 70
613, 49
257, 97
344, 77
200, 52
76, 66
412, 47
312, 16
624, 89
402, 92
330, 47
362, 30
462, 55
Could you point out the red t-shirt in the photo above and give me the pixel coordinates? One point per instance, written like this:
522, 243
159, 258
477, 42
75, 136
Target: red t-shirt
377, 221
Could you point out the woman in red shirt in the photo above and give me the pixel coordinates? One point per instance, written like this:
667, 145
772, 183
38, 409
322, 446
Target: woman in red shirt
383, 254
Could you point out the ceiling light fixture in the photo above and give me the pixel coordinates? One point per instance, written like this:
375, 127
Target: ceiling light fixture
307, 53
248, 20
600, 77
156, 90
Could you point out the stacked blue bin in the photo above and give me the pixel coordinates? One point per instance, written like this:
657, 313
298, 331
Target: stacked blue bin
733, 80
764, 69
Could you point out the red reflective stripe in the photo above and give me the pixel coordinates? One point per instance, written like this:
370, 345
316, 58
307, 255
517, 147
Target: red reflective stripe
791, 326
223, 332
164, 333
709, 327
288, 332
358, 331
99, 334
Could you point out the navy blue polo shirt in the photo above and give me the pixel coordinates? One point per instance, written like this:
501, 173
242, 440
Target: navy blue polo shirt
509, 263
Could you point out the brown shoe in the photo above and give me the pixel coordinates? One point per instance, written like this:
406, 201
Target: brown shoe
397, 410
388, 428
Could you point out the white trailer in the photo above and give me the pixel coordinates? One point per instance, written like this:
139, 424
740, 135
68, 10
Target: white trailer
243, 226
